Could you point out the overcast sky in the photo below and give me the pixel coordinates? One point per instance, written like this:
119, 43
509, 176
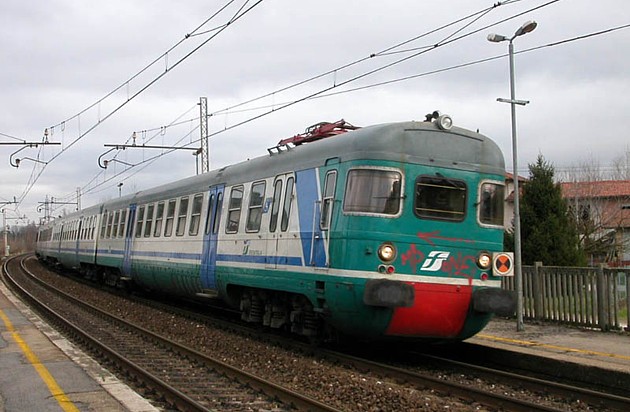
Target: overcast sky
60, 58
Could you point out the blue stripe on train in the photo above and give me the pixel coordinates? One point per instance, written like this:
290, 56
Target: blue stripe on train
309, 211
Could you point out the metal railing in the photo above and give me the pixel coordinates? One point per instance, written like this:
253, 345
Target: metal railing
593, 297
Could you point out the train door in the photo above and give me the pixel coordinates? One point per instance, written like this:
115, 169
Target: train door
126, 269
210, 238
279, 241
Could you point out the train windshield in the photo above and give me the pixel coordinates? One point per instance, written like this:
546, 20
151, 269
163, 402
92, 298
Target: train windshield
372, 191
491, 202
438, 197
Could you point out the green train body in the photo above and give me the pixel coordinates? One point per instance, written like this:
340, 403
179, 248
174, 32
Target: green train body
391, 231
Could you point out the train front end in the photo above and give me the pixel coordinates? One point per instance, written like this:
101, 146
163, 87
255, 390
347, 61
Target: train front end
420, 228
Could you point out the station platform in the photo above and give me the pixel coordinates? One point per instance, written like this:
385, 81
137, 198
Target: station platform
41, 371
583, 354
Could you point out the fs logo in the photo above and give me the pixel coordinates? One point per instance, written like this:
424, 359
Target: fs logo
433, 263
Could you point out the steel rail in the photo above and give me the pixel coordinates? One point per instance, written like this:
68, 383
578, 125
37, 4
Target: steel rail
173, 395
455, 389
595, 398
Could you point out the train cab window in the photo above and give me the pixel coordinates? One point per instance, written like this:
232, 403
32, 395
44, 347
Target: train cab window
139, 221
181, 216
170, 216
328, 198
373, 191
195, 216
159, 216
491, 201
275, 206
438, 197
149, 221
123, 222
286, 209
234, 209
255, 212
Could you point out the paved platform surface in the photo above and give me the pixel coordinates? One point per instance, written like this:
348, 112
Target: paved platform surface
42, 371
606, 350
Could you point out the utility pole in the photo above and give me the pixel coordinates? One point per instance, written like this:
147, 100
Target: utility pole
4, 225
4, 228
78, 198
203, 119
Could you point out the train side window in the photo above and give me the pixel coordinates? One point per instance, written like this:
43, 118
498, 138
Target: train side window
491, 201
195, 216
275, 207
255, 212
181, 216
159, 216
139, 221
103, 224
149, 221
115, 225
209, 214
217, 215
170, 216
234, 209
108, 230
373, 191
438, 197
328, 198
123, 222
286, 209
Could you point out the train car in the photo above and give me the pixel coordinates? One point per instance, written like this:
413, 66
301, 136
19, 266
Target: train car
382, 232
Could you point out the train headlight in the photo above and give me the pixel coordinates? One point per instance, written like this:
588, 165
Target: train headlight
387, 252
444, 122
484, 260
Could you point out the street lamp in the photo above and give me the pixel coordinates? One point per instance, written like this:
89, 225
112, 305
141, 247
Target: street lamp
518, 272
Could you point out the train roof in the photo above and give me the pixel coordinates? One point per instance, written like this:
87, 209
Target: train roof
421, 142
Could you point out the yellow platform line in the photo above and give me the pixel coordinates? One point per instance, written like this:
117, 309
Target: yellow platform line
545, 345
64, 402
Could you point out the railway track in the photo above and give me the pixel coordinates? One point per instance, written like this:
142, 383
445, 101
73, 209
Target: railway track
474, 396
182, 377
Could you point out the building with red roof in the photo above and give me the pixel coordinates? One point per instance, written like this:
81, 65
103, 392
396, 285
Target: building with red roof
602, 212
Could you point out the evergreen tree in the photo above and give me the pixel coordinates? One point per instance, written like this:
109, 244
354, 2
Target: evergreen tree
548, 234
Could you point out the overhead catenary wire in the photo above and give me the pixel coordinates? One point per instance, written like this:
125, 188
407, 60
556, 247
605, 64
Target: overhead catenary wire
432, 72
318, 95
242, 11
476, 16
447, 40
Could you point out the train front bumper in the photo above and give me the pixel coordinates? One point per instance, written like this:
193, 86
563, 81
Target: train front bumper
432, 310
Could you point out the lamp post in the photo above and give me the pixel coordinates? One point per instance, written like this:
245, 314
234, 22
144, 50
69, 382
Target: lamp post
518, 272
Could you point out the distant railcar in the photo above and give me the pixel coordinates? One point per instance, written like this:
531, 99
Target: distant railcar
381, 232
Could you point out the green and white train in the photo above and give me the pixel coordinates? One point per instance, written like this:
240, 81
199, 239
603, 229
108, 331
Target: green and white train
392, 231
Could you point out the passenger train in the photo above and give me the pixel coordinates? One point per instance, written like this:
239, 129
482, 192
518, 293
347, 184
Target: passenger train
387, 232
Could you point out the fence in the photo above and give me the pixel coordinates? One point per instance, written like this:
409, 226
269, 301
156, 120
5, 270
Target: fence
594, 297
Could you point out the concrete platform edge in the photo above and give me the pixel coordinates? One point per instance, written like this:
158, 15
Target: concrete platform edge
110, 383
